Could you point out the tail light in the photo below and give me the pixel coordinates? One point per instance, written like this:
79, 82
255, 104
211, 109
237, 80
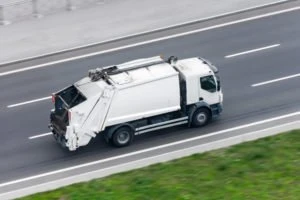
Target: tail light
53, 98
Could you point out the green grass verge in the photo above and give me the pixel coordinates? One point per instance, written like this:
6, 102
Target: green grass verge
264, 169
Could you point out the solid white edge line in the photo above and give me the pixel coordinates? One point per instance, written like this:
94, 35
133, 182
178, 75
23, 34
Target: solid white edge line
275, 80
28, 102
147, 150
87, 176
40, 135
147, 32
149, 41
252, 50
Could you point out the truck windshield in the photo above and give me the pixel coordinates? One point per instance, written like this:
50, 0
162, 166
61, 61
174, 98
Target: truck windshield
69, 97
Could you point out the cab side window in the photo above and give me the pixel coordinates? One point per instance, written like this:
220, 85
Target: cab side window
208, 83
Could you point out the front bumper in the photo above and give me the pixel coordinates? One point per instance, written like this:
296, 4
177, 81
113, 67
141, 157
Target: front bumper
216, 109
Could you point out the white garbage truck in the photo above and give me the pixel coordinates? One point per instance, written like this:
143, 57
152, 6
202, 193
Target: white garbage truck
136, 97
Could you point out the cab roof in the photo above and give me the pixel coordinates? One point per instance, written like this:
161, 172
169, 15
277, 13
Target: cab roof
193, 67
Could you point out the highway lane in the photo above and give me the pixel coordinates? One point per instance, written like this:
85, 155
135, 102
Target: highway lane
212, 44
205, 46
242, 102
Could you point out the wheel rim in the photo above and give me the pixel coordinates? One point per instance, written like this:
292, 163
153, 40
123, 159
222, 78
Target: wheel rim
123, 137
201, 118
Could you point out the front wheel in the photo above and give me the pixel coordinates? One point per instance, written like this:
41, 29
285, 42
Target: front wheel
201, 117
122, 136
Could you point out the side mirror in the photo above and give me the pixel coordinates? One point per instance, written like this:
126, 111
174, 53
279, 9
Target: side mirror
219, 86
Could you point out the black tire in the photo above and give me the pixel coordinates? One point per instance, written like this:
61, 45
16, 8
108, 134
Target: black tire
201, 117
122, 137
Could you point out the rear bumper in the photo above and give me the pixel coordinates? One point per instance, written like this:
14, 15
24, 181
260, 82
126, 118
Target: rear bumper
58, 131
58, 135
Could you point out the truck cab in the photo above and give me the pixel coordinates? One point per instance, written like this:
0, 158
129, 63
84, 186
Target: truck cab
201, 81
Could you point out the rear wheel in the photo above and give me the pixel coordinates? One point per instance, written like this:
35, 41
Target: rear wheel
122, 136
201, 117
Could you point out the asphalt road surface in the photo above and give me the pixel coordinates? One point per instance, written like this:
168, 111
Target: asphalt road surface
247, 53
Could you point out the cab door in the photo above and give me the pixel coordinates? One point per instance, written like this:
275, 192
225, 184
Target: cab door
208, 90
